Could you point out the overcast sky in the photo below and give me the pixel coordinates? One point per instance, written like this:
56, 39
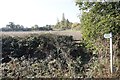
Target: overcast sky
41, 12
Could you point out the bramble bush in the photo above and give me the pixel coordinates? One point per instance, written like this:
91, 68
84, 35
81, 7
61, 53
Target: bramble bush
45, 55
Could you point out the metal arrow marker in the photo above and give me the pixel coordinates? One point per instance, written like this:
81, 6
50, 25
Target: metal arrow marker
111, 55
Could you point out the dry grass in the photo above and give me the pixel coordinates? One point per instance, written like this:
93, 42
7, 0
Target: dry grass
76, 34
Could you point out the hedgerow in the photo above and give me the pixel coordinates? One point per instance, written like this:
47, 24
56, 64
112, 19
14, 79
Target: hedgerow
45, 55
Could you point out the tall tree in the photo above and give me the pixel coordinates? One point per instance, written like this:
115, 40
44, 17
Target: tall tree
11, 25
63, 24
99, 18
63, 17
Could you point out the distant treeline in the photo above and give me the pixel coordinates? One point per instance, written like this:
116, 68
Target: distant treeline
63, 24
13, 27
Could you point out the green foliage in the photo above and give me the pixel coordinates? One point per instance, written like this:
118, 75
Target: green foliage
45, 55
63, 24
75, 26
13, 27
97, 19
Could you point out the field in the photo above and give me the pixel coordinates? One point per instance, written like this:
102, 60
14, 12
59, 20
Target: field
76, 34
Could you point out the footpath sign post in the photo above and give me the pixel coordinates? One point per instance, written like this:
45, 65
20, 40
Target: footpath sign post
111, 55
